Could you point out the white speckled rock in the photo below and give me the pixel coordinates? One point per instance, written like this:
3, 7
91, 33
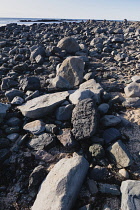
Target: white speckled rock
61, 186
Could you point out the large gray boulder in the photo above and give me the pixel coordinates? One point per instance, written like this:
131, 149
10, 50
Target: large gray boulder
130, 190
132, 90
84, 119
69, 44
42, 105
61, 187
72, 70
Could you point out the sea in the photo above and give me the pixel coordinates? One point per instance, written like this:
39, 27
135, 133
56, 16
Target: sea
5, 21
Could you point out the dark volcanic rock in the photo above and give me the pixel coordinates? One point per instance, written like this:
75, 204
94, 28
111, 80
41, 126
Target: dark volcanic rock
30, 83
84, 119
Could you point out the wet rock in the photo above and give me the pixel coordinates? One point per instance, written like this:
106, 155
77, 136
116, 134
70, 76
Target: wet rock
130, 190
59, 184
84, 119
43, 141
69, 44
72, 70
120, 155
36, 127
43, 105
30, 83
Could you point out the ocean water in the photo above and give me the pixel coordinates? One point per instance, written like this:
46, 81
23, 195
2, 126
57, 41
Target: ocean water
5, 21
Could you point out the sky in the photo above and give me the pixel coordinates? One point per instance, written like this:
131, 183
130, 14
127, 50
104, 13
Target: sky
75, 9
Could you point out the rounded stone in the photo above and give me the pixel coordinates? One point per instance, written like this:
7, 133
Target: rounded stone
124, 173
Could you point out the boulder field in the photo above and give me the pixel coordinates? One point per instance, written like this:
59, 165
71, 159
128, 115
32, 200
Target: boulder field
70, 116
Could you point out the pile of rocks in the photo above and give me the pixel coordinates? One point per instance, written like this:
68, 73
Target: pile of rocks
66, 141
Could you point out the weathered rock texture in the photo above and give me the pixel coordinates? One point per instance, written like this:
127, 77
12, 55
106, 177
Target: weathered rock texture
60, 188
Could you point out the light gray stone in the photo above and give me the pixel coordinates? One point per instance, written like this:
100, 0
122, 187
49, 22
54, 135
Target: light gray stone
120, 155
132, 102
36, 127
136, 78
132, 90
43, 105
60, 83
130, 190
62, 185
64, 112
79, 95
69, 44
94, 88
72, 70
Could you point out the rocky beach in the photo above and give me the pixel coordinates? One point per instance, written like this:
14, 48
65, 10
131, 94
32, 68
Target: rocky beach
70, 116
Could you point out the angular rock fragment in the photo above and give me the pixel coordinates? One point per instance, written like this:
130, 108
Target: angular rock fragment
36, 127
130, 190
43, 105
43, 141
120, 155
61, 186
72, 70
84, 119
110, 120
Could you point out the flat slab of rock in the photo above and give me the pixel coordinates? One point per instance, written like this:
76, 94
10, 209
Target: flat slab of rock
42, 105
130, 190
61, 187
120, 154
84, 119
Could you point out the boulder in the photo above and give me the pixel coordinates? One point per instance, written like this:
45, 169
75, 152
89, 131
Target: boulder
72, 70
61, 187
130, 190
84, 119
69, 44
42, 105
